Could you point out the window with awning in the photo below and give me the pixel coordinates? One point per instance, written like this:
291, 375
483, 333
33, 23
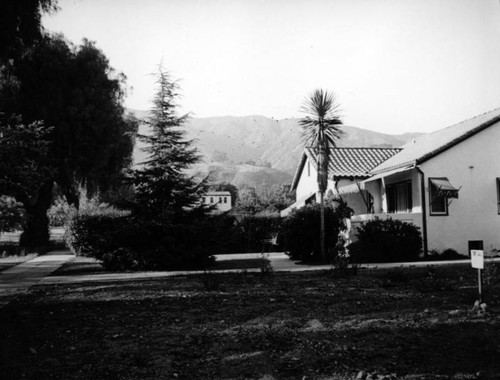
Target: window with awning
441, 193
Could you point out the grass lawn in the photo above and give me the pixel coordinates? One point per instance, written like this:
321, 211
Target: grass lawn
283, 326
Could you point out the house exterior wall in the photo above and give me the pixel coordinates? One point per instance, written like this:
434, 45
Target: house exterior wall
473, 166
377, 189
353, 200
307, 184
222, 201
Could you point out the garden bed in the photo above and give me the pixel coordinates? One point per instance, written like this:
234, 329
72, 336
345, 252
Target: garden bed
404, 322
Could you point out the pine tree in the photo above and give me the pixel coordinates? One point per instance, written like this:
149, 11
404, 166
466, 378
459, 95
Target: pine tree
163, 188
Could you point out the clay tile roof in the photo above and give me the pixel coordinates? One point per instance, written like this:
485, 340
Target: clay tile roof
432, 144
355, 162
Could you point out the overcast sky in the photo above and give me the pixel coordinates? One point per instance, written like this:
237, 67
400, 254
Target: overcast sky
396, 65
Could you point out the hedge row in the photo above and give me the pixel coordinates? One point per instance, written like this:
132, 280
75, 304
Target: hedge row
124, 242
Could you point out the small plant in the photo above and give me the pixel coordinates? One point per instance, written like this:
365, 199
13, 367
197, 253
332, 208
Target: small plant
122, 259
491, 273
343, 257
266, 268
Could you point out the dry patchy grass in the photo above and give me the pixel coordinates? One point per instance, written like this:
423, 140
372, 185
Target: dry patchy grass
283, 326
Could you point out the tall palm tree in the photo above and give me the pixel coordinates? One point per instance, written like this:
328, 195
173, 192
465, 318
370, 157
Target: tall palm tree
321, 131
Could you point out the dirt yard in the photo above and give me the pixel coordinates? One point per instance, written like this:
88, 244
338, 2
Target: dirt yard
393, 324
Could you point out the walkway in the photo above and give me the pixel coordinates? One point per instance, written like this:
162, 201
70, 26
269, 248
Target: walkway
18, 279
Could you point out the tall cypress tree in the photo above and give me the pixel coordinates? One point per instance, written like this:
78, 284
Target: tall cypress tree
163, 188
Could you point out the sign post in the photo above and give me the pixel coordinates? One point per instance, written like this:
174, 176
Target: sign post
477, 261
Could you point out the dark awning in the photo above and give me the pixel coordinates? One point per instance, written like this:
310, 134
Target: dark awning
444, 188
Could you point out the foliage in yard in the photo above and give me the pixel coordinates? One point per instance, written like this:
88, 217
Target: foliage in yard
244, 326
302, 232
21, 25
11, 214
253, 229
94, 233
386, 240
60, 212
267, 200
78, 96
125, 242
447, 254
163, 188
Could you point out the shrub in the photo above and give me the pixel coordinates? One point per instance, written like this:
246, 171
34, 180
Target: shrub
302, 231
60, 212
12, 214
9, 249
122, 259
95, 233
123, 242
253, 229
386, 240
447, 254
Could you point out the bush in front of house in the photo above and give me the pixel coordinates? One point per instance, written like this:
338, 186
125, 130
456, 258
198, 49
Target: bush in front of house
386, 240
302, 231
447, 254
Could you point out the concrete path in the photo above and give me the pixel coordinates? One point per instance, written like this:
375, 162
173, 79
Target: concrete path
18, 279
280, 262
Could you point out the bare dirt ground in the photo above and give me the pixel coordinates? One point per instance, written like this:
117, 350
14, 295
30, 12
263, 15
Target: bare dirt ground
415, 323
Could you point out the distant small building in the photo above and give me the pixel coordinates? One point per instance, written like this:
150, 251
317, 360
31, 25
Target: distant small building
221, 199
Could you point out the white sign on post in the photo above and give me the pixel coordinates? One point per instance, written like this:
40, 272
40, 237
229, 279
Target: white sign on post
477, 258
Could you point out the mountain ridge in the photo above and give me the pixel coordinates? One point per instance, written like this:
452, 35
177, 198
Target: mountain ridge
232, 144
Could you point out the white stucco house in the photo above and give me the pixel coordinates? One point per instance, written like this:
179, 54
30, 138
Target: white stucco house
446, 182
348, 166
220, 199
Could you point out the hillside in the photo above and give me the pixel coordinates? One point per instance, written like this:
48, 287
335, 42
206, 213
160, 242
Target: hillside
257, 150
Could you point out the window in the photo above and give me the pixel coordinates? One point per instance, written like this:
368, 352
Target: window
399, 197
308, 168
441, 191
211, 199
498, 195
225, 199
439, 203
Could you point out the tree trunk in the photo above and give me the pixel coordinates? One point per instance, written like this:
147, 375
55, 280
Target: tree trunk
35, 237
324, 257
322, 186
